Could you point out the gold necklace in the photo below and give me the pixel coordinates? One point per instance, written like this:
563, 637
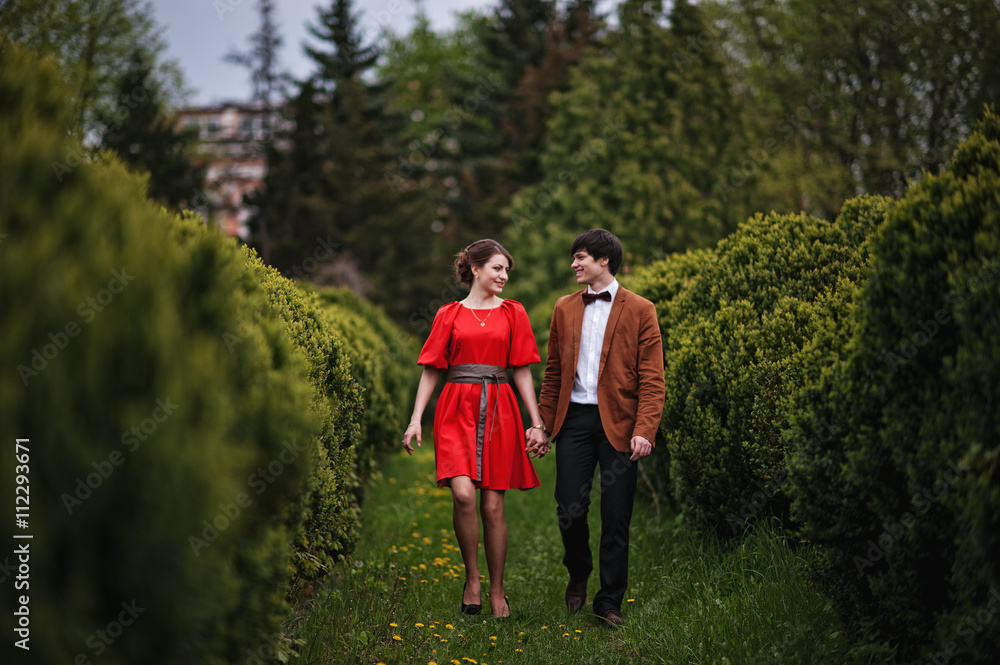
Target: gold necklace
482, 322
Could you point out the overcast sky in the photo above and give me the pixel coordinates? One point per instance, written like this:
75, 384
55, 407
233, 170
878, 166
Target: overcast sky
200, 32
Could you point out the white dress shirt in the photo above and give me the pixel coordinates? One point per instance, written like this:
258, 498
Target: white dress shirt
588, 364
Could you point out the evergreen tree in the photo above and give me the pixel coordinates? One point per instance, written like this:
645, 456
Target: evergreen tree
142, 132
635, 147
328, 187
268, 82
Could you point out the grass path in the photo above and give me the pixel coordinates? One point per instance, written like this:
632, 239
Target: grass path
396, 600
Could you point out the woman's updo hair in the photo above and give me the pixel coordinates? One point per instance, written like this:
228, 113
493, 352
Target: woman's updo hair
477, 254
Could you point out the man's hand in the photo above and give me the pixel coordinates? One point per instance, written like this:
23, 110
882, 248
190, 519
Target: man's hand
640, 447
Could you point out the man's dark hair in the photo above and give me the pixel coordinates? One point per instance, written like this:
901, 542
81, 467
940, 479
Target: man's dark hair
600, 244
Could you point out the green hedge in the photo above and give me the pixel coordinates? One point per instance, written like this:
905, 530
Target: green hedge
903, 503
331, 505
164, 467
384, 361
743, 325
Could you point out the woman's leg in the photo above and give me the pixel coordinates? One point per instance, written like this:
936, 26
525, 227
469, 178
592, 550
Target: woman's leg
466, 523
495, 540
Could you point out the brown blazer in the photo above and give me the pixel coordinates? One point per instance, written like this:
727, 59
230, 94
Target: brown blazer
630, 387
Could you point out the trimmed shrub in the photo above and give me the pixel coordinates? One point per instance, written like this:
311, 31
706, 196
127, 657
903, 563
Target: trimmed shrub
161, 464
741, 325
384, 362
903, 501
330, 506
661, 282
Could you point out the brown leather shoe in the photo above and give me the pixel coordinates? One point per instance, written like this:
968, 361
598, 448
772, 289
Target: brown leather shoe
576, 595
611, 618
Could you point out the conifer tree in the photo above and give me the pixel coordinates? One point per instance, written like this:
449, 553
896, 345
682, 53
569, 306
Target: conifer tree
632, 147
140, 129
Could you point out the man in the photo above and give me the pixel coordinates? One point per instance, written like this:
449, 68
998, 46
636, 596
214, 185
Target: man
601, 398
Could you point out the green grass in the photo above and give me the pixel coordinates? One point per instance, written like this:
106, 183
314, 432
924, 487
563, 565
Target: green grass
396, 600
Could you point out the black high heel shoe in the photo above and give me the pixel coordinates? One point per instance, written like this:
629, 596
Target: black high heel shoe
469, 608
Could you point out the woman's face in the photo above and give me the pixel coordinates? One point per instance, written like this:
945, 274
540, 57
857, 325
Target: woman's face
492, 275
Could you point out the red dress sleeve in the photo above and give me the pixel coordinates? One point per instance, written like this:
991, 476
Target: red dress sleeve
435, 352
523, 349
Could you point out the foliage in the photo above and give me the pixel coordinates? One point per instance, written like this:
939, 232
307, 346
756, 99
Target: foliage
162, 464
844, 97
91, 40
632, 147
328, 185
903, 501
384, 362
744, 325
141, 131
331, 511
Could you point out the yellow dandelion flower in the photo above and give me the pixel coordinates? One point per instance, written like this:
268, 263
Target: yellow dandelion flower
493, 637
423, 566
392, 481
518, 650
444, 639
545, 627
630, 600
432, 662
471, 660
455, 662
448, 626
397, 638
419, 625
521, 633
579, 631
394, 625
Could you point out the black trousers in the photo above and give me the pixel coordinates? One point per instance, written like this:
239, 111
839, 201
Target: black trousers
581, 447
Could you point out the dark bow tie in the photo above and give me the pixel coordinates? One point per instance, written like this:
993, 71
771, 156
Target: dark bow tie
591, 297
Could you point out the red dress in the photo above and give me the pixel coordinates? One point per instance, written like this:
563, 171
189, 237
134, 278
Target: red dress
457, 338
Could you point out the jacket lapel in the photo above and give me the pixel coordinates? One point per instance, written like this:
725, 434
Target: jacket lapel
576, 316
609, 332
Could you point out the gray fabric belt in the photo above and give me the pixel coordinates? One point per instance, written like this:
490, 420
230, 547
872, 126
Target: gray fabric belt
483, 375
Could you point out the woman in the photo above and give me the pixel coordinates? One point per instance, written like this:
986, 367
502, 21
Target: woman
478, 440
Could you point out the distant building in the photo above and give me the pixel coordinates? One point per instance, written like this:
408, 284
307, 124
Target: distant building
231, 139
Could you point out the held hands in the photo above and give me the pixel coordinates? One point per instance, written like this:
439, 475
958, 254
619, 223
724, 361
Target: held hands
412, 431
536, 442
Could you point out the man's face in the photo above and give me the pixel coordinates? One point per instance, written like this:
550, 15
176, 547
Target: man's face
588, 269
